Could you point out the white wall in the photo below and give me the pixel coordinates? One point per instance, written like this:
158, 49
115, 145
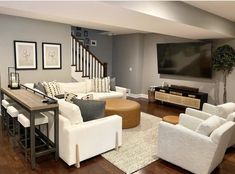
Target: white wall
125, 55
17, 28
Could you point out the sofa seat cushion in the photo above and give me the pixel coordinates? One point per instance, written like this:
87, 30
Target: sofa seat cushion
106, 95
209, 125
71, 111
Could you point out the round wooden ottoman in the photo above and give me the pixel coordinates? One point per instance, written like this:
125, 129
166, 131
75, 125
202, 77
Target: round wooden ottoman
127, 109
173, 119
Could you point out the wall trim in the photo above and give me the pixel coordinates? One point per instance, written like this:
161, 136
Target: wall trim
138, 95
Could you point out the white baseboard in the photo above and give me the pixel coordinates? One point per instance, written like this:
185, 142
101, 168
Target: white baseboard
138, 95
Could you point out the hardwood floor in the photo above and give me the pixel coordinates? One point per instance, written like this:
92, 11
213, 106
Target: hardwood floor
12, 160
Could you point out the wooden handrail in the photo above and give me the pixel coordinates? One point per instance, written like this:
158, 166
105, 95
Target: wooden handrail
86, 49
84, 55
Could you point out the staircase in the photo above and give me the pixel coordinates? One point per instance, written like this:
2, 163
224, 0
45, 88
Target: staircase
84, 61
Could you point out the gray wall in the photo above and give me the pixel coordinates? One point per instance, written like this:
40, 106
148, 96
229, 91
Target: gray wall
144, 63
103, 50
17, 28
128, 53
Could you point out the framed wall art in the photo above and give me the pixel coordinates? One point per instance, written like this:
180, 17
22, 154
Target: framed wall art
25, 55
51, 55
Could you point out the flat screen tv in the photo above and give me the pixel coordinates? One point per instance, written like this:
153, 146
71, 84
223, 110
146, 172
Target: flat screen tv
185, 59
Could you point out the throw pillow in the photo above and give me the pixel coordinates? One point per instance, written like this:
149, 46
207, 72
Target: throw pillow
88, 97
231, 117
209, 125
90, 109
69, 96
113, 84
39, 87
71, 111
51, 88
225, 109
102, 84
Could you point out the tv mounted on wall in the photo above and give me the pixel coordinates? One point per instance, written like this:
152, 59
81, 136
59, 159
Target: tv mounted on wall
186, 59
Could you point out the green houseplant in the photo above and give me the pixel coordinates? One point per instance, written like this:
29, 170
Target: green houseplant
223, 59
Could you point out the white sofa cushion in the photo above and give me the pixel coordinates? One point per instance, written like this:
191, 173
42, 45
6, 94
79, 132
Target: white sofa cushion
209, 125
106, 95
225, 109
70, 111
73, 87
89, 85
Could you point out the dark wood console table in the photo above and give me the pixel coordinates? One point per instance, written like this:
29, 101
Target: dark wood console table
33, 104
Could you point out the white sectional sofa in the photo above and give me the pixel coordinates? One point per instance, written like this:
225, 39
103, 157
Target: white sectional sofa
84, 88
79, 140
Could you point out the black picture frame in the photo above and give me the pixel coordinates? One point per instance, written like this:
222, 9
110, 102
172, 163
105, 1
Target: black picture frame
51, 53
25, 55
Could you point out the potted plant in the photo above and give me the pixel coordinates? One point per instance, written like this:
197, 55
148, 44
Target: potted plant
223, 59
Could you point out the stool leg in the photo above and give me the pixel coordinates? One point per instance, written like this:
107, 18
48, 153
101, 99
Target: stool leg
25, 143
47, 135
13, 126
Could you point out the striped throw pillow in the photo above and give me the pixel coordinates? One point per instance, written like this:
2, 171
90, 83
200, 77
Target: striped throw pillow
102, 84
51, 88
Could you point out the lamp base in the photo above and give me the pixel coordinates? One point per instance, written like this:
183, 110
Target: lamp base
11, 87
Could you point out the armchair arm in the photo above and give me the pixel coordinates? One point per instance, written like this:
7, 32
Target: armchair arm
197, 113
122, 90
209, 108
189, 122
93, 138
185, 148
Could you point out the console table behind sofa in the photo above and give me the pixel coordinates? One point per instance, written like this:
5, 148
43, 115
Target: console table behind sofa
33, 104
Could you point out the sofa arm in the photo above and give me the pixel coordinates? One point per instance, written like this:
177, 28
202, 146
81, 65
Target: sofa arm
122, 90
189, 122
185, 148
197, 113
93, 138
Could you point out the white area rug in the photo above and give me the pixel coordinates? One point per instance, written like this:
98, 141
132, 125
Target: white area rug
138, 145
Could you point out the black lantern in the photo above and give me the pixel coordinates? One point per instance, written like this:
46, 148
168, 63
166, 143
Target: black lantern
13, 78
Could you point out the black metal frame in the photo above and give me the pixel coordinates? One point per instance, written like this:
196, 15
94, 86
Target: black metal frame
36, 62
43, 63
32, 114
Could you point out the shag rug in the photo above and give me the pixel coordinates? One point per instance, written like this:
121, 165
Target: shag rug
139, 145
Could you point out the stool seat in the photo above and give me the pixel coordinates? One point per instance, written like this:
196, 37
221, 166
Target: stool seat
12, 111
5, 103
39, 120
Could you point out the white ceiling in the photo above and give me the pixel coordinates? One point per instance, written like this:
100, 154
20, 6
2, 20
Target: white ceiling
225, 9
120, 19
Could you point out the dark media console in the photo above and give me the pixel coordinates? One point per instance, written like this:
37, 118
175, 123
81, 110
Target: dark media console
181, 95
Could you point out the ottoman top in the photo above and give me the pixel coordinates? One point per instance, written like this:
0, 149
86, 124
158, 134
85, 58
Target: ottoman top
121, 104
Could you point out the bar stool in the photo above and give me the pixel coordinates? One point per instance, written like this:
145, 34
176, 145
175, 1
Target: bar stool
24, 121
4, 106
12, 114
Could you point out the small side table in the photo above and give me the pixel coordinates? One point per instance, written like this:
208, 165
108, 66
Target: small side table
173, 119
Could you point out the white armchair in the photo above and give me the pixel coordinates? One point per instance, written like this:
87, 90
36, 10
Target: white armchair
225, 111
182, 146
